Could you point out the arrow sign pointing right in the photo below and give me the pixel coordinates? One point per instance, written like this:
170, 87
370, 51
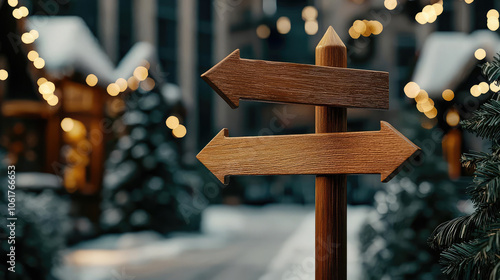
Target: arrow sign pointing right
234, 78
374, 152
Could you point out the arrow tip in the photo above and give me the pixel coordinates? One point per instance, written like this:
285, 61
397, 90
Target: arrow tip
216, 77
210, 156
330, 39
402, 150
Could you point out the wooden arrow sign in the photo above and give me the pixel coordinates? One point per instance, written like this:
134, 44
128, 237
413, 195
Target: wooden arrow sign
373, 152
234, 78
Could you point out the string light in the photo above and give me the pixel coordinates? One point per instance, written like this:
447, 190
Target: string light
475, 91
180, 131
41, 81
32, 55
27, 38
122, 84
113, 89
309, 13
452, 118
283, 25
365, 28
67, 124
494, 87
133, 83
148, 84
484, 87
412, 89
311, 27
91, 80
493, 21
172, 122
24, 11
448, 95
429, 13
480, 54
3, 74
13, 3
35, 34
263, 31
39, 63
53, 100
469, 1
141, 73
390, 4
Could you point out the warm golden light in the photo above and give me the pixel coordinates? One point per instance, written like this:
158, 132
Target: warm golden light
32, 55
448, 95
484, 87
493, 24
390, 4
67, 124
375, 27
27, 38
39, 63
494, 87
283, 25
47, 88
133, 83
3, 74
311, 27
53, 100
172, 122
24, 11
493, 14
480, 54
421, 96
41, 81
438, 8
353, 33
263, 31
122, 84
47, 96
13, 3
359, 26
180, 131
411, 89
309, 13
91, 80
475, 91
431, 113
421, 18
452, 118
148, 84
141, 73
427, 105
469, 1
17, 14
113, 89
34, 33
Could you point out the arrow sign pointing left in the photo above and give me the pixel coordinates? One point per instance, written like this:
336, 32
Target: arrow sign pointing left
374, 152
234, 78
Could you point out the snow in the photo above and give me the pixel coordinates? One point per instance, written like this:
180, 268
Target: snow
224, 229
447, 56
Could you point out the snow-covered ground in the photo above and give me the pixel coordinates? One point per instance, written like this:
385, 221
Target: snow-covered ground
270, 242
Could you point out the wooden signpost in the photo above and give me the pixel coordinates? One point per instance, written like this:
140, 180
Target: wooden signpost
330, 153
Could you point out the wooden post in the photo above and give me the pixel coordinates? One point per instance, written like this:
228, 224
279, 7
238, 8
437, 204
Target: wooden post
331, 199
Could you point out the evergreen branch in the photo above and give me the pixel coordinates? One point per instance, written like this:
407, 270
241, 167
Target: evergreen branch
474, 259
485, 122
486, 188
492, 69
450, 232
470, 160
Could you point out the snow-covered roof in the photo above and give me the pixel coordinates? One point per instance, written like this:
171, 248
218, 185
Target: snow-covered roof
68, 46
447, 56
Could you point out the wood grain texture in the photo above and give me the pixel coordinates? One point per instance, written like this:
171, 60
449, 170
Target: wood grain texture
234, 78
371, 152
331, 191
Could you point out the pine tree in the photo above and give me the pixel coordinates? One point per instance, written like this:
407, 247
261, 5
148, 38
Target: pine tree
394, 240
470, 245
145, 186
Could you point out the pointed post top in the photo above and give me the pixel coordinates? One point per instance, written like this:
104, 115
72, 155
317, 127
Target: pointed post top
330, 39
331, 51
